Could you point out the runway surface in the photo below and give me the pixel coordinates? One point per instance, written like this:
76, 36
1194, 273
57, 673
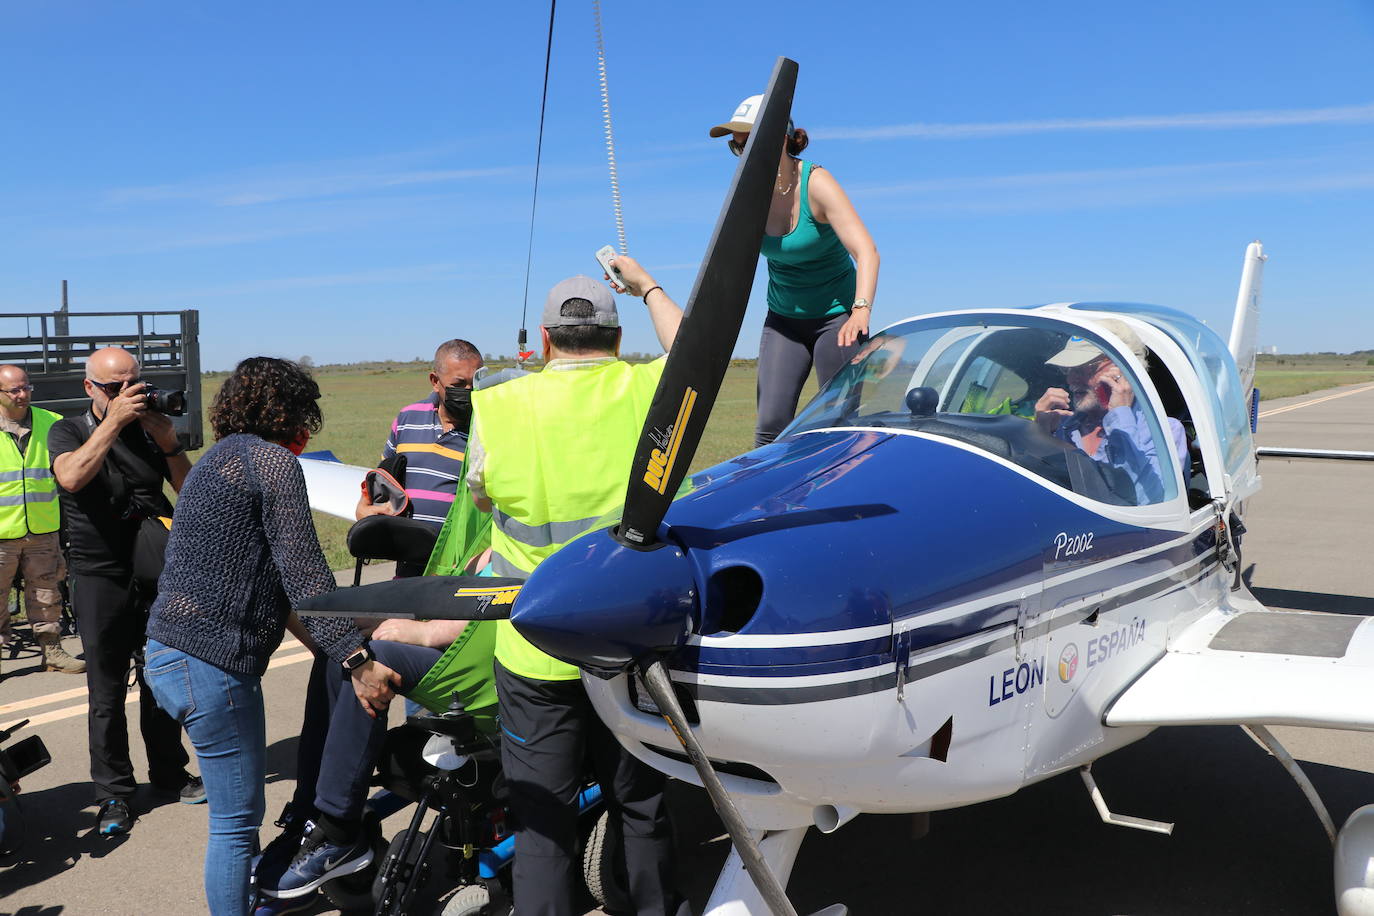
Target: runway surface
1245, 841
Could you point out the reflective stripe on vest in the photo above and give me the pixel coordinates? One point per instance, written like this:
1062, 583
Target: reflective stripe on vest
28, 490
558, 447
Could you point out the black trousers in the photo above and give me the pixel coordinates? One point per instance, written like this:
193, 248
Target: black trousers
549, 732
113, 618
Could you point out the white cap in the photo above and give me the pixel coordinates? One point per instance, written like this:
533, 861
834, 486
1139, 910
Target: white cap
1080, 351
743, 118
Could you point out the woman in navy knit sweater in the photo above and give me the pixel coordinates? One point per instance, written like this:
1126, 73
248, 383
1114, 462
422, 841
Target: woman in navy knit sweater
243, 552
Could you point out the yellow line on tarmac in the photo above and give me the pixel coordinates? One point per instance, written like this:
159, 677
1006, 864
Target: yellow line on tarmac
80, 709
1329, 397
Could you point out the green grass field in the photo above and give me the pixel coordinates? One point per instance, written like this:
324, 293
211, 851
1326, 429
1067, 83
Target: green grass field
360, 401
1287, 376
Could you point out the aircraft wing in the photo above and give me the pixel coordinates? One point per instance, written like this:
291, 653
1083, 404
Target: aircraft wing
1259, 667
333, 487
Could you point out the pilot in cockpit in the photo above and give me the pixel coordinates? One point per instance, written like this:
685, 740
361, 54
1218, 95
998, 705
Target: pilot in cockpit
1097, 412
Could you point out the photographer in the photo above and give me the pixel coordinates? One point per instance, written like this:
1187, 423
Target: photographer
110, 464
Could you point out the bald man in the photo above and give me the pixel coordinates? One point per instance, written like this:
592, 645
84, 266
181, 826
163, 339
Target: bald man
111, 463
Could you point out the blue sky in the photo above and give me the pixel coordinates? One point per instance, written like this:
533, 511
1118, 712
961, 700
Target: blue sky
352, 180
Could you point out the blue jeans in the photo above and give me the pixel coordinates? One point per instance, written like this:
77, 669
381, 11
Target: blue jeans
223, 715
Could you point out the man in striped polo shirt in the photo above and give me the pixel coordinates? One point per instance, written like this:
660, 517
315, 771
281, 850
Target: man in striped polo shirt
432, 434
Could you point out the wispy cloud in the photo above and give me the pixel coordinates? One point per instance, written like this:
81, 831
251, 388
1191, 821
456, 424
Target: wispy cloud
383, 276
250, 191
1218, 120
1124, 187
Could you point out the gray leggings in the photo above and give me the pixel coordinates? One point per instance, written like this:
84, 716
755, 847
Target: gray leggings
787, 350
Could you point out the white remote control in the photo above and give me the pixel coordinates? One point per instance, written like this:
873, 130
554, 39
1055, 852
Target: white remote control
603, 257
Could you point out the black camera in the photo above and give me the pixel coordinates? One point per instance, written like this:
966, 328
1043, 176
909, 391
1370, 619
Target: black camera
171, 403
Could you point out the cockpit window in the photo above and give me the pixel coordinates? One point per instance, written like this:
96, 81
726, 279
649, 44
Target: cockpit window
1063, 406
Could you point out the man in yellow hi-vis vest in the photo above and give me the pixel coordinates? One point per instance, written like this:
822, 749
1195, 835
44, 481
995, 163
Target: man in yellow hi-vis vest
29, 518
549, 455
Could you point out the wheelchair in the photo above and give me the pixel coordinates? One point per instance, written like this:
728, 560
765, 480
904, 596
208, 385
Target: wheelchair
452, 858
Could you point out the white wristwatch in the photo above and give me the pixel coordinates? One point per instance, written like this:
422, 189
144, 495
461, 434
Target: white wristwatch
861, 304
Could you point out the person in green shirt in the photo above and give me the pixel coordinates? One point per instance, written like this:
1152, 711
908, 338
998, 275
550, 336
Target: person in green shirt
822, 275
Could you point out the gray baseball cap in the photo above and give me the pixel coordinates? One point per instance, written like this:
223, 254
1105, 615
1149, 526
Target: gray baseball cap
603, 313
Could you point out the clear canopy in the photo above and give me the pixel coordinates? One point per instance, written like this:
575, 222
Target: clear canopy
1033, 391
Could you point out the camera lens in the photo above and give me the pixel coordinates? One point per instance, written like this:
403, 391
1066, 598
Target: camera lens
170, 403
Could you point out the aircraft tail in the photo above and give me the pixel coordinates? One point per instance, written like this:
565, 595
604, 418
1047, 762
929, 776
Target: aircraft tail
1245, 324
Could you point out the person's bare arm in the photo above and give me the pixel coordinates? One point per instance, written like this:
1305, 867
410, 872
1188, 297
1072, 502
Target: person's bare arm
663, 311
436, 634
298, 630
830, 205
77, 468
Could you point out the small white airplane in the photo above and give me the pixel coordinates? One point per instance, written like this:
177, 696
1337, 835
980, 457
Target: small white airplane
924, 595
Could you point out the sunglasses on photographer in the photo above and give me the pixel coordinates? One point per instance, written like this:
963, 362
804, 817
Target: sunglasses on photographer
112, 389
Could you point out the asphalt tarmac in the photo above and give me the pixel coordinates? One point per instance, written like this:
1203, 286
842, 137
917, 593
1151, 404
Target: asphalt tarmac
1245, 840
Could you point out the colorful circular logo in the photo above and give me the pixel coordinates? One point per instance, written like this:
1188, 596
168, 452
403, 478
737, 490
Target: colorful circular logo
1068, 663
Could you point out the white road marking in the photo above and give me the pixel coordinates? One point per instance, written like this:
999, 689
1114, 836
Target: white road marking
1329, 397
80, 709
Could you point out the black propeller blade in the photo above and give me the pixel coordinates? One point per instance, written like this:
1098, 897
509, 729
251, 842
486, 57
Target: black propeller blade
420, 598
715, 310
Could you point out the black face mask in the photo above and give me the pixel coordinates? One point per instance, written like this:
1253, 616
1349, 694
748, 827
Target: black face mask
458, 406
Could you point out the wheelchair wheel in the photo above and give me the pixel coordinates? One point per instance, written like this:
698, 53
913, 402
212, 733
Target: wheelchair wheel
469, 901
601, 868
353, 893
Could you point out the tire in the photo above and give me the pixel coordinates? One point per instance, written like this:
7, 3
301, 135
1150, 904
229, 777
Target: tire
469, 901
599, 867
353, 893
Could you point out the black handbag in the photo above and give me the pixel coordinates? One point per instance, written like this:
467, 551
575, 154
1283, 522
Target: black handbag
150, 548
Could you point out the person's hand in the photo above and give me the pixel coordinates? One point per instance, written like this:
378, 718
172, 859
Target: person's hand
637, 279
411, 632
160, 428
366, 508
1121, 393
127, 406
1052, 409
855, 328
375, 684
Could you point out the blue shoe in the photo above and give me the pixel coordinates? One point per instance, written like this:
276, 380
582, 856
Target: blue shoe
318, 861
270, 864
114, 818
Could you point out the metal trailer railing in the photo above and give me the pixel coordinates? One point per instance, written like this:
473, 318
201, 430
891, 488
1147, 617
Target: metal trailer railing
54, 354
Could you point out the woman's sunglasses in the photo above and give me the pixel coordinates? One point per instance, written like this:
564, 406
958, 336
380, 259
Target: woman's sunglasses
737, 147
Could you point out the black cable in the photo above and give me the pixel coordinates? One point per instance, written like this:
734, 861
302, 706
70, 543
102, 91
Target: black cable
538, 156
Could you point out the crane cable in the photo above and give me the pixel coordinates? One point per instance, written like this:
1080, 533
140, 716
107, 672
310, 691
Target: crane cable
534, 199
610, 134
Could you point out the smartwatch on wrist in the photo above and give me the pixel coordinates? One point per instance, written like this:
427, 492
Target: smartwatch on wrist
359, 658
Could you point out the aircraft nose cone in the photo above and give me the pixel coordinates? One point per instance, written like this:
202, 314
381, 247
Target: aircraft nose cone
601, 605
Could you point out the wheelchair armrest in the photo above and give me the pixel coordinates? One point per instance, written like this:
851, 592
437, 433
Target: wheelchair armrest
461, 727
391, 537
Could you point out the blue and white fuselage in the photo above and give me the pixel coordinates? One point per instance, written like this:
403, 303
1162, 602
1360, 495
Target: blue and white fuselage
919, 597
994, 621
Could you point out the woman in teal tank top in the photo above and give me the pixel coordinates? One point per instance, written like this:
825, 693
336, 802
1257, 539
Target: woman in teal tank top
822, 276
